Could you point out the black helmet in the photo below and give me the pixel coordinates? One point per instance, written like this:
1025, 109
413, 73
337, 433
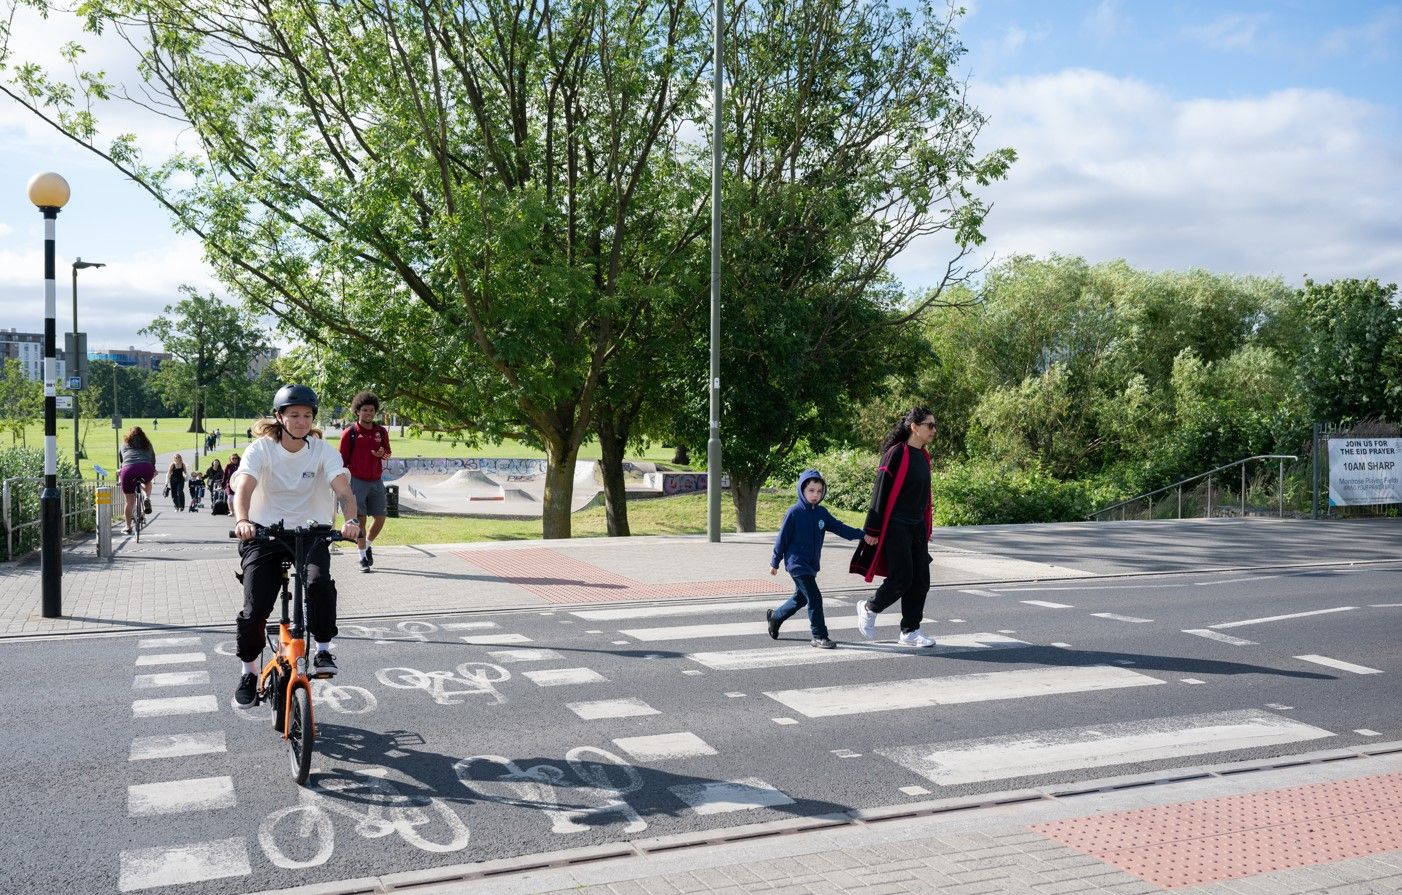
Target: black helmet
290, 395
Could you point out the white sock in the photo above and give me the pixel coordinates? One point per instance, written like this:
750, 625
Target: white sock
362, 551
323, 647
250, 668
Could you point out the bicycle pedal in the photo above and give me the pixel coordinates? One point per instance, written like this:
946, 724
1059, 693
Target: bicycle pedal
322, 675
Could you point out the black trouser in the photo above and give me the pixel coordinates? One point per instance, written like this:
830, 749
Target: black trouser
177, 493
262, 583
907, 572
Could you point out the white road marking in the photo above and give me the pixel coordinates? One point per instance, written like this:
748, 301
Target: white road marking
1047, 604
1234, 580
783, 721
494, 639
734, 695
718, 797
179, 796
468, 626
1220, 638
730, 629
158, 642
846, 753
170, 679
1339, 664
594, 632
662, 611
1076, 748
979, 593
1061, 645
1192, 680
1023, 590
559, 677
620, 642
662, 746
1363, 731
169, 658
1384, 605
1278, 618
177, 745
1121, 618
147, 868
856, 699
174, 705
693, 671
915, 790
781, 656
526, 655
611, 708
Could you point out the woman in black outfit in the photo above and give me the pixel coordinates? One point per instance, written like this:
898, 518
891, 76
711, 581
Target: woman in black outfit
899, 525
175, 481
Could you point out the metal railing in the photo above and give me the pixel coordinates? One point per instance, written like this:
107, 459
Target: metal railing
1178, 488
20, 511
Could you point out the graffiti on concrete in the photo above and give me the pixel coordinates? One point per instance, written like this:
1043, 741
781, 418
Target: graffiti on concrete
518, 468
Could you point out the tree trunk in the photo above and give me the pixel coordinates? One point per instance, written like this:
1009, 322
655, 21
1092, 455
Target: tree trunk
559, 487
681, 457
613, 439
197, 420
744, 495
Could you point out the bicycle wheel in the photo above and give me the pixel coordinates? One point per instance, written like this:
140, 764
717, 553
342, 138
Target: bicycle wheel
300, 733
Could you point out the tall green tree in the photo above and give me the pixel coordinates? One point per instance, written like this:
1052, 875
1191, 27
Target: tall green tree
448, 195
210, 341
21, 400
1350, 359
847, 138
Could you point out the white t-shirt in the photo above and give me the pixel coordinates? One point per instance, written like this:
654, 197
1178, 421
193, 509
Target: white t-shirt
293, 488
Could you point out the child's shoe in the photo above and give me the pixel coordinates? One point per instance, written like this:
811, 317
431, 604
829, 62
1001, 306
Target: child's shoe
774, 624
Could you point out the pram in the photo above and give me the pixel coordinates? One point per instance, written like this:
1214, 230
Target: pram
218, 500
196, 494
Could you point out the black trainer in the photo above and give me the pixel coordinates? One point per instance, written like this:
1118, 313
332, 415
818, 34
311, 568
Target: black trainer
146, 505
774, 624
823, 643
369, 554
324, 665
365, 562
247, 690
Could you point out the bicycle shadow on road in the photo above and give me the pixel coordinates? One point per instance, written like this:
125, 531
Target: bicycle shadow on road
589, 788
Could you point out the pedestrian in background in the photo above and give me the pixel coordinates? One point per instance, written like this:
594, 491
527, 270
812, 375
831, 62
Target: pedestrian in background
364, 450
899, 525
799, 546
176, 474
229, 469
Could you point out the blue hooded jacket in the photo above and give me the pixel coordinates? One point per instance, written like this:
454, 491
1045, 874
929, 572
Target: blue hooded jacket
800, 541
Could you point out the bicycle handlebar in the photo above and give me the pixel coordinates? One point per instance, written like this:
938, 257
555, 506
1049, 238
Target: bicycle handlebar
282, 533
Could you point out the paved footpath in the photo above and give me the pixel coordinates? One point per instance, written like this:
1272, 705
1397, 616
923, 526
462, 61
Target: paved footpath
1331, 822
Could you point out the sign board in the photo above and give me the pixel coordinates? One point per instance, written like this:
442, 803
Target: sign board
116, 422
63, 402
75, 352
1365, 471
75, 383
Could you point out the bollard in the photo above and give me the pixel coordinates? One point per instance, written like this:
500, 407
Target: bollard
102, 499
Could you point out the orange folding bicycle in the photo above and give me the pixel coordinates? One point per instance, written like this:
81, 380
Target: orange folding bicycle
285, 681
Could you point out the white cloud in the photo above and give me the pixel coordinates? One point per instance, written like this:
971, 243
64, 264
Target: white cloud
1289, 183
1104, 21
1375, 39
1235, 31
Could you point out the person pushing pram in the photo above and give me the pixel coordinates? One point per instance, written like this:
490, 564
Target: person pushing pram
197, 490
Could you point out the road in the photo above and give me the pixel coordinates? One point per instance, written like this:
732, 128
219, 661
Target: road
453, 739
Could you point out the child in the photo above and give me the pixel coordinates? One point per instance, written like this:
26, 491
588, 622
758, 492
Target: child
800, 545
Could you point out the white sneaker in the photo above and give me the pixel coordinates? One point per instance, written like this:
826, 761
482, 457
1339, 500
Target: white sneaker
866, 621
915, 638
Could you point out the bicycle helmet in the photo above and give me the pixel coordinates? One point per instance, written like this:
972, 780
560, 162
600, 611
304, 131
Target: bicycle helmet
291, 395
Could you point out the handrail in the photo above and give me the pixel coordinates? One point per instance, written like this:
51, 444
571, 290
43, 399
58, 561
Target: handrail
1180, 484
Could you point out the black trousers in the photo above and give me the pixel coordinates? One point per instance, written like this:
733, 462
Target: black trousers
262, 583
907, 572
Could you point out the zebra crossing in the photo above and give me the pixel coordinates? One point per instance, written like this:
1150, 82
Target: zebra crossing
647, 749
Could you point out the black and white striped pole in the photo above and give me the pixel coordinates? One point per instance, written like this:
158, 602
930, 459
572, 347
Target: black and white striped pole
50, 192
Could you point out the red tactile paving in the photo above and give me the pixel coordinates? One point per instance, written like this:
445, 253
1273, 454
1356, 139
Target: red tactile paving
558, 578
1221, 839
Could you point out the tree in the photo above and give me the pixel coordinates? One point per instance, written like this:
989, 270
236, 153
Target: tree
448, 195
211, 342
1350, 361
21, 400
847, 139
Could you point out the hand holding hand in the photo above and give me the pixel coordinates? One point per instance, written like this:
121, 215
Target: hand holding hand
870, 540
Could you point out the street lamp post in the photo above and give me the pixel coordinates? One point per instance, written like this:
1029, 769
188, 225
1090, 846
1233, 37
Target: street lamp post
713, 461
49, 192
73, 365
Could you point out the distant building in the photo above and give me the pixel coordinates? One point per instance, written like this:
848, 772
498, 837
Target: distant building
28, 348
132, 357
261, 360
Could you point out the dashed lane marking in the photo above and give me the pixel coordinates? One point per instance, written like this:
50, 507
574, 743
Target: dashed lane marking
177, 745
180, 796
1339, 664
198, 862
174, 705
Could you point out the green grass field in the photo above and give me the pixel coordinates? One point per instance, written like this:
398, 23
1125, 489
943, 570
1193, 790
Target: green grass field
169, 435
683, 514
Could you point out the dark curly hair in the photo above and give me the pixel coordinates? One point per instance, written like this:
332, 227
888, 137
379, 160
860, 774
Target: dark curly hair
901, 431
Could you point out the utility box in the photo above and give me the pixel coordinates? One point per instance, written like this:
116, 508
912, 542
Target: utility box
392, 500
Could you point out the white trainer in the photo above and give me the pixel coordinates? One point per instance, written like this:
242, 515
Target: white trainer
866, 621
915, 638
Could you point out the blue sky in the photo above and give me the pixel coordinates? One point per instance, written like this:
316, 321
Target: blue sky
1241, 137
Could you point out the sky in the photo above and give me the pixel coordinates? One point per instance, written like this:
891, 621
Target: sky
1254, 138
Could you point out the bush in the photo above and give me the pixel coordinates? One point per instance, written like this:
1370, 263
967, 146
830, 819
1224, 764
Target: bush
974, 492
26, 463
849, 473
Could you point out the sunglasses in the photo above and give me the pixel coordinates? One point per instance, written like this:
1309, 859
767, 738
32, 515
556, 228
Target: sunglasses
928, 424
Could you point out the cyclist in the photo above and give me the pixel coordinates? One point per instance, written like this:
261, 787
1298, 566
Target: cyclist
138, 463
288, 475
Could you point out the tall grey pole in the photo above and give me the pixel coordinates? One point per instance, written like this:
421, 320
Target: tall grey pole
713, 461
74, 365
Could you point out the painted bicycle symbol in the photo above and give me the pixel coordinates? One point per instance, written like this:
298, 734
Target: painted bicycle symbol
449, 687
304, 835
599, 777
412, 630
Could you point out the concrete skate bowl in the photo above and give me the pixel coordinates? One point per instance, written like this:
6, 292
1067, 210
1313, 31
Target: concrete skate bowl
503, 488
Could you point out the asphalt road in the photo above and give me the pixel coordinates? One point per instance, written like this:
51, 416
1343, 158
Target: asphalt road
465, 738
